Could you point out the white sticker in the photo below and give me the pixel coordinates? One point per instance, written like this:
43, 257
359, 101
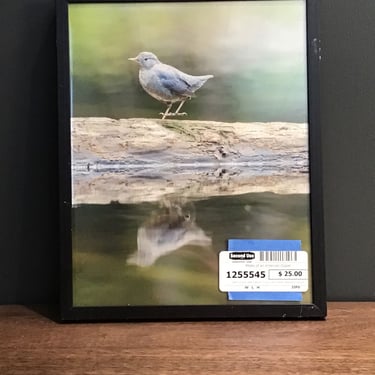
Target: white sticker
263, 271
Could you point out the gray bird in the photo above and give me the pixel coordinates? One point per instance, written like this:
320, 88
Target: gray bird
166, 83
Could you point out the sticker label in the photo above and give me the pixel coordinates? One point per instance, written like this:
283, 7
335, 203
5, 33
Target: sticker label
263, 271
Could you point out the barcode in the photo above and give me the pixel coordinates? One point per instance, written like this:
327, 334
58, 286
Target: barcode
278, 256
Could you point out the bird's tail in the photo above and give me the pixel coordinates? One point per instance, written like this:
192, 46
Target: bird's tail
206, 77
199, 81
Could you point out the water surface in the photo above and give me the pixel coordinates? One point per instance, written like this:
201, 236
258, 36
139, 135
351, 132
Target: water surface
166, 252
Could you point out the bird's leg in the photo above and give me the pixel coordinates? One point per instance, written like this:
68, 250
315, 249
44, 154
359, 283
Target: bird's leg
166, 113
178, 109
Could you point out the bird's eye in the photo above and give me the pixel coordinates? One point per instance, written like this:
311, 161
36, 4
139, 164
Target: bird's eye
146, 58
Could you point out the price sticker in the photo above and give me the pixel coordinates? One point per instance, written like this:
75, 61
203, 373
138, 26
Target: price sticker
263, 271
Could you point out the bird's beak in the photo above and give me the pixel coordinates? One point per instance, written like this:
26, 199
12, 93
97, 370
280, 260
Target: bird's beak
132, 58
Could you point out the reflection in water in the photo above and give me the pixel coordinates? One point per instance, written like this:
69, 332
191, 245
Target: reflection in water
165, 254
170, 228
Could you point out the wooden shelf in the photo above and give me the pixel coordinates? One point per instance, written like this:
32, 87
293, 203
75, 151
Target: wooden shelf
343, 344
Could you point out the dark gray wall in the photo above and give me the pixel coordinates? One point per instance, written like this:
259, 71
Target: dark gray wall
348, 127
28, 152
28, 147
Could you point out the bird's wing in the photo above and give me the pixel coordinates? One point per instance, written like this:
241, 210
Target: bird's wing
175, 81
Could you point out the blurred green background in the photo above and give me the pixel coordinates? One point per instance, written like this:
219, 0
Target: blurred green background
255, 49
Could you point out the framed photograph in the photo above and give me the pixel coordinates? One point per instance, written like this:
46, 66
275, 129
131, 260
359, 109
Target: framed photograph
190, 171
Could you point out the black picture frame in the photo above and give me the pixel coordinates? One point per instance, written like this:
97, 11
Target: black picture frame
271, 310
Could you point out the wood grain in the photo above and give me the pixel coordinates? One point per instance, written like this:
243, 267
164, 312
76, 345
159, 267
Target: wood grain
344, 344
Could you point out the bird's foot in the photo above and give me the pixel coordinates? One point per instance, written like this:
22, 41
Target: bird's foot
167, 114
172, 114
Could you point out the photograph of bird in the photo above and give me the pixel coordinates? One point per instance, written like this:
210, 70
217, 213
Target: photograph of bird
166, 83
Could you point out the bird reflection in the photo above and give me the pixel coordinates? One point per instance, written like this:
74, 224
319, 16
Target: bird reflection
168, 229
